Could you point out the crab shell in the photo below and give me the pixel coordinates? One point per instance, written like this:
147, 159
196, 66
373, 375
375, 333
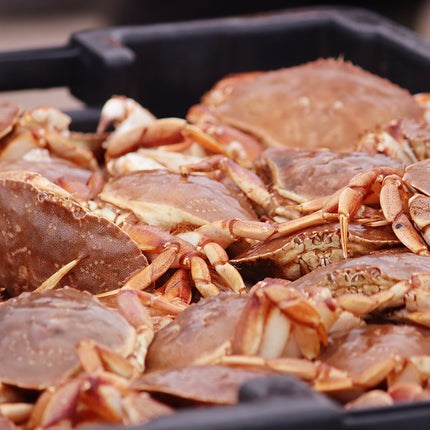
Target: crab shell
324, 104
205, 384
175, 202
59, 171
325, 171
367, 274
40, 332
198, 335
398, 355
297, 254
9, 114
43, 229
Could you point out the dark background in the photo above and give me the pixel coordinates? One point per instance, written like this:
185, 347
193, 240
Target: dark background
30, 24
123, 12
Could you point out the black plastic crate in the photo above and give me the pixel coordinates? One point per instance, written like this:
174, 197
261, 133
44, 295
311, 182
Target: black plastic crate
167, 68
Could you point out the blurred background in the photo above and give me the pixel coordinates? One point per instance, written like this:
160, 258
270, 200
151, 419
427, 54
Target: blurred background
26, 24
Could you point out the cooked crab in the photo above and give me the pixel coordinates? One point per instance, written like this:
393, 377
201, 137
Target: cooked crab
273, 320
82, 183
395, 280
370, 355
324, 104
47, 128
201, 212
41, 353
199, 384
403, 198
401, 194
292, 256
44, 229
299, 175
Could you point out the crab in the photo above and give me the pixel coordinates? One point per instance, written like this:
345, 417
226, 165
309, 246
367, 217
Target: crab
292, 256
83, 184
396, 280
194, 211
273, 320
326, 171
398, 355
136, 130
44, 229
212, 384
402, 195
91, 365
328, 103
47, 128
276, 184
38, 350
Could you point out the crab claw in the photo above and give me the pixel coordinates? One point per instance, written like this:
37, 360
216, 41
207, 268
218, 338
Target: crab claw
300, 326
124, 113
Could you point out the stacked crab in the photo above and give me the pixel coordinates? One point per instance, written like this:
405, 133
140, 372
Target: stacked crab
280, 228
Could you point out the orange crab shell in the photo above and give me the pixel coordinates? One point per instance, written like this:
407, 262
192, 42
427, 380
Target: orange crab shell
324, 104
43, 229
40, 332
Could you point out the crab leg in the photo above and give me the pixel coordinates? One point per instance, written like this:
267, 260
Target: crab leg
392, 197
299, 324
187, 246
245, 179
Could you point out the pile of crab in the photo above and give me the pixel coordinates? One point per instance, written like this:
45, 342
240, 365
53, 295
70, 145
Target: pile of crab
281, 228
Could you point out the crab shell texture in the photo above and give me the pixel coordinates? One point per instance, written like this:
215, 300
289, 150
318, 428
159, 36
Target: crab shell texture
205, 384
43, 229
297, 254
9, 114
326, 171
174, 202
359, 348
40, 332
396, 355
328, 103
59, 171
367, 274
198, 334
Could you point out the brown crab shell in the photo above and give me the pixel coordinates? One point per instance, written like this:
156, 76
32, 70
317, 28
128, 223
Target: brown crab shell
297, 254
301, 175
358, 349
172, 201
9, 114
40, 332
199, 334
366, 274
43, 229
328, 103
206, 384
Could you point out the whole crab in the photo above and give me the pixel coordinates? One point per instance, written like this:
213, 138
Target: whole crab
44, 229
293, 255
328, 103
402, 196
273, 320
38, 349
